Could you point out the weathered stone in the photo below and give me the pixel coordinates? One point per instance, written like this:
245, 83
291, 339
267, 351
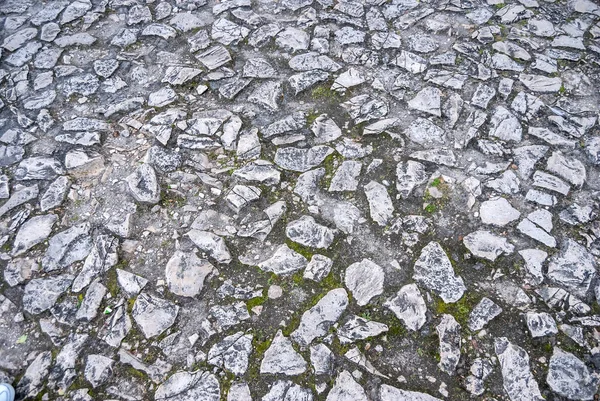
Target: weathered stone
409, 306
541, 324
346, 388
498, 212
185, 273
357, 328
68, 246
143, 185
573, 268
487, 245
316, 321
189, 386
450, 341
281, 358
284, 261
232, 353
483, 313
389, 393
33, 232
153, 315
306, 231
519, 382
380, 203
212, 244
570, 377
434, 271
365, 280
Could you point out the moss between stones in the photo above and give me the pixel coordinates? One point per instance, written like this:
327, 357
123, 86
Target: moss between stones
460, 310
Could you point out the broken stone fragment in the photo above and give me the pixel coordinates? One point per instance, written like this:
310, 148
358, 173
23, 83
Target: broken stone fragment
212, 244
317, 320
485, 244
434, 271
185, 273
281, 358
306, 231
364, 280
518, 380
153, 315
450, 341
189, 386
143, 185
284, 261
409, 306
570, 377
232, 353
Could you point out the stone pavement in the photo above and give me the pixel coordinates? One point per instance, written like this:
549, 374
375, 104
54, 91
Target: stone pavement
298, 200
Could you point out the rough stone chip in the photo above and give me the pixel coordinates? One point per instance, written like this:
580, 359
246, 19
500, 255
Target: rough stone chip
365, 280
434, 271
282, 358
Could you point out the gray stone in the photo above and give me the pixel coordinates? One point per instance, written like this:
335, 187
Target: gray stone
91, 302
64, 373
100, 259
519, 382
540, 83
39, 168
66, 247
365, 107
325, 129
389, 393
284, 261
380, 203
357, 328
143, 185
498, 212
318, 268
424, 132
41, 293
185, 273
409, 175
346, 388
480, 370
212, 244
570, 377
306, 231
285, 390
117, 328
301, 160
153, 315
505, 126
450, 342
316, 321
573, 268
485, 311
131, 283
32, 382
189, 386
570, 169
428, 100
232, 353
160, 30
409, 306
541, 324
346, 177
214, 57
364, 280
485, 244
434, 271
33, 232
281, 358
239, 392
